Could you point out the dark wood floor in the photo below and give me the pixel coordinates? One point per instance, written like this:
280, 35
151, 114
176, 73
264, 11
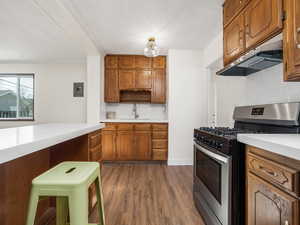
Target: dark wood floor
148, 194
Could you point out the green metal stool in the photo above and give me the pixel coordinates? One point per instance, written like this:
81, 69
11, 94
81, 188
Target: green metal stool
69, 183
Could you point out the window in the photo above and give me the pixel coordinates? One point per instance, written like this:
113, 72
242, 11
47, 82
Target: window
16, 96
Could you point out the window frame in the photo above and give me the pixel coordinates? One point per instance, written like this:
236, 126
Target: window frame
20, 75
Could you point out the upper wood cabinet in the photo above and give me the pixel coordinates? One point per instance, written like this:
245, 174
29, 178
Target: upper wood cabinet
143, 79
135, 78
263, 19
126, 62
251, 23
291, 39
159, 62
111, 86
269, 205
143, 62
234, 39
231, 8
126, 79
111, 62
158, 93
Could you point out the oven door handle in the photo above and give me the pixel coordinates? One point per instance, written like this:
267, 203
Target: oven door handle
213, 155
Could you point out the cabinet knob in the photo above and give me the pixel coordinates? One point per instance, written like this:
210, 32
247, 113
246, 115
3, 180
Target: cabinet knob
298, 30
286, 222
298, 46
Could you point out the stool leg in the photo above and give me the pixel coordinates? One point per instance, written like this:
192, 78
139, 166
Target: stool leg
78, 206
61, 210
32, 207
100, 201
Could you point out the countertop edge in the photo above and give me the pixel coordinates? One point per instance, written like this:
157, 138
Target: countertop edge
21, 150
277, 148
132, 121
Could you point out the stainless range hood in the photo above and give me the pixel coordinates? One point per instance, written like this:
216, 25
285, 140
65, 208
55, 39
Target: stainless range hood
263, 57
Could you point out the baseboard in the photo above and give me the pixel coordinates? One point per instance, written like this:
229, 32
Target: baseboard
180, 162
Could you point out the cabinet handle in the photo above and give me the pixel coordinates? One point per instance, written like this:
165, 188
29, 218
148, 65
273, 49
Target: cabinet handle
274, 174
298, 46
286, 222
298, 30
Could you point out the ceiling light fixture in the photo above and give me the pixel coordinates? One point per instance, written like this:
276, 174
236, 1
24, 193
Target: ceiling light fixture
151, 49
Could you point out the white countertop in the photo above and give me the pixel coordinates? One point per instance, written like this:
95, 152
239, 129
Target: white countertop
284, 144
133, 121
19, 141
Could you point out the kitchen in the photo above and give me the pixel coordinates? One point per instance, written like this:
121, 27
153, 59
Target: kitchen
121, 83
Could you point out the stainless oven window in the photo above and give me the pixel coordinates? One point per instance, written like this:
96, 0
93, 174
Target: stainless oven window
209, 171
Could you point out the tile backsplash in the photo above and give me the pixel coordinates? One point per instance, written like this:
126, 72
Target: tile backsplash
145, 111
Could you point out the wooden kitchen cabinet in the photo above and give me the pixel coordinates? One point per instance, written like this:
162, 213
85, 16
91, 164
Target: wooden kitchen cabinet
111, 86
263, 20
159, 62
143, 79
158, 93
269, 205
143, 62
111, 62
108, 138
125, 145
234, 39
126, 79
126, 62
291, 40
231, 8
134, 141
272, 188
142, 145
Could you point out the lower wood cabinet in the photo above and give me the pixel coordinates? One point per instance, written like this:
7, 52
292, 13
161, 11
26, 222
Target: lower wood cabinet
133, 141
273, 196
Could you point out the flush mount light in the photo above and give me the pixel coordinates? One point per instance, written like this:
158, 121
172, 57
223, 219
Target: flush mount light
151, 49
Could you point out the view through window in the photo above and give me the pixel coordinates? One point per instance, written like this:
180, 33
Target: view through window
16, 96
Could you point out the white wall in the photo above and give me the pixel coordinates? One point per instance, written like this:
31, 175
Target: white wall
54, 101
187, 103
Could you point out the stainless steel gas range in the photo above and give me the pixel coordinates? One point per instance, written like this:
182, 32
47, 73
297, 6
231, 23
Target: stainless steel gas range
219, 159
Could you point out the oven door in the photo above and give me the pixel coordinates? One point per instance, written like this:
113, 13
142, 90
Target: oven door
213, 172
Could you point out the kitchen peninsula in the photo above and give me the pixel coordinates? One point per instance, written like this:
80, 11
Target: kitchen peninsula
31, 150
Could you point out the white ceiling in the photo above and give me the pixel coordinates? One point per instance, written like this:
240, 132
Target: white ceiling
123, 26
43, 30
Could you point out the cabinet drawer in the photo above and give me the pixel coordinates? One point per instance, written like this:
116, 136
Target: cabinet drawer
142, 127
94, 140
160, 144
160, 154
274, 172
160, 135
110, 126
95, 154
125, 126
160, 126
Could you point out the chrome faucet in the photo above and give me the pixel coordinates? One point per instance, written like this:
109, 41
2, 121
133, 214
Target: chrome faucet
134, 110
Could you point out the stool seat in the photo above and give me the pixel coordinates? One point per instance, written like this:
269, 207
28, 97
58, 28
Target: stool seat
69, 182
68, 174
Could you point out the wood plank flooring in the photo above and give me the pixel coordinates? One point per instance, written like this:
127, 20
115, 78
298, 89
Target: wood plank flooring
148, 194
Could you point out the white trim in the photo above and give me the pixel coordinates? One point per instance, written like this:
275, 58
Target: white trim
180, 162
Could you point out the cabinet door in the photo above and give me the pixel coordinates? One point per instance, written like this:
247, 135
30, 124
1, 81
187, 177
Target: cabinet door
111, 86
269, 205
158, 93
143, 79
143, 62
125, 145
263, 19
159, 62
234, 39
231, 8
111, 62
126, 79
142, 144
291, 41
126, 61
108, 145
